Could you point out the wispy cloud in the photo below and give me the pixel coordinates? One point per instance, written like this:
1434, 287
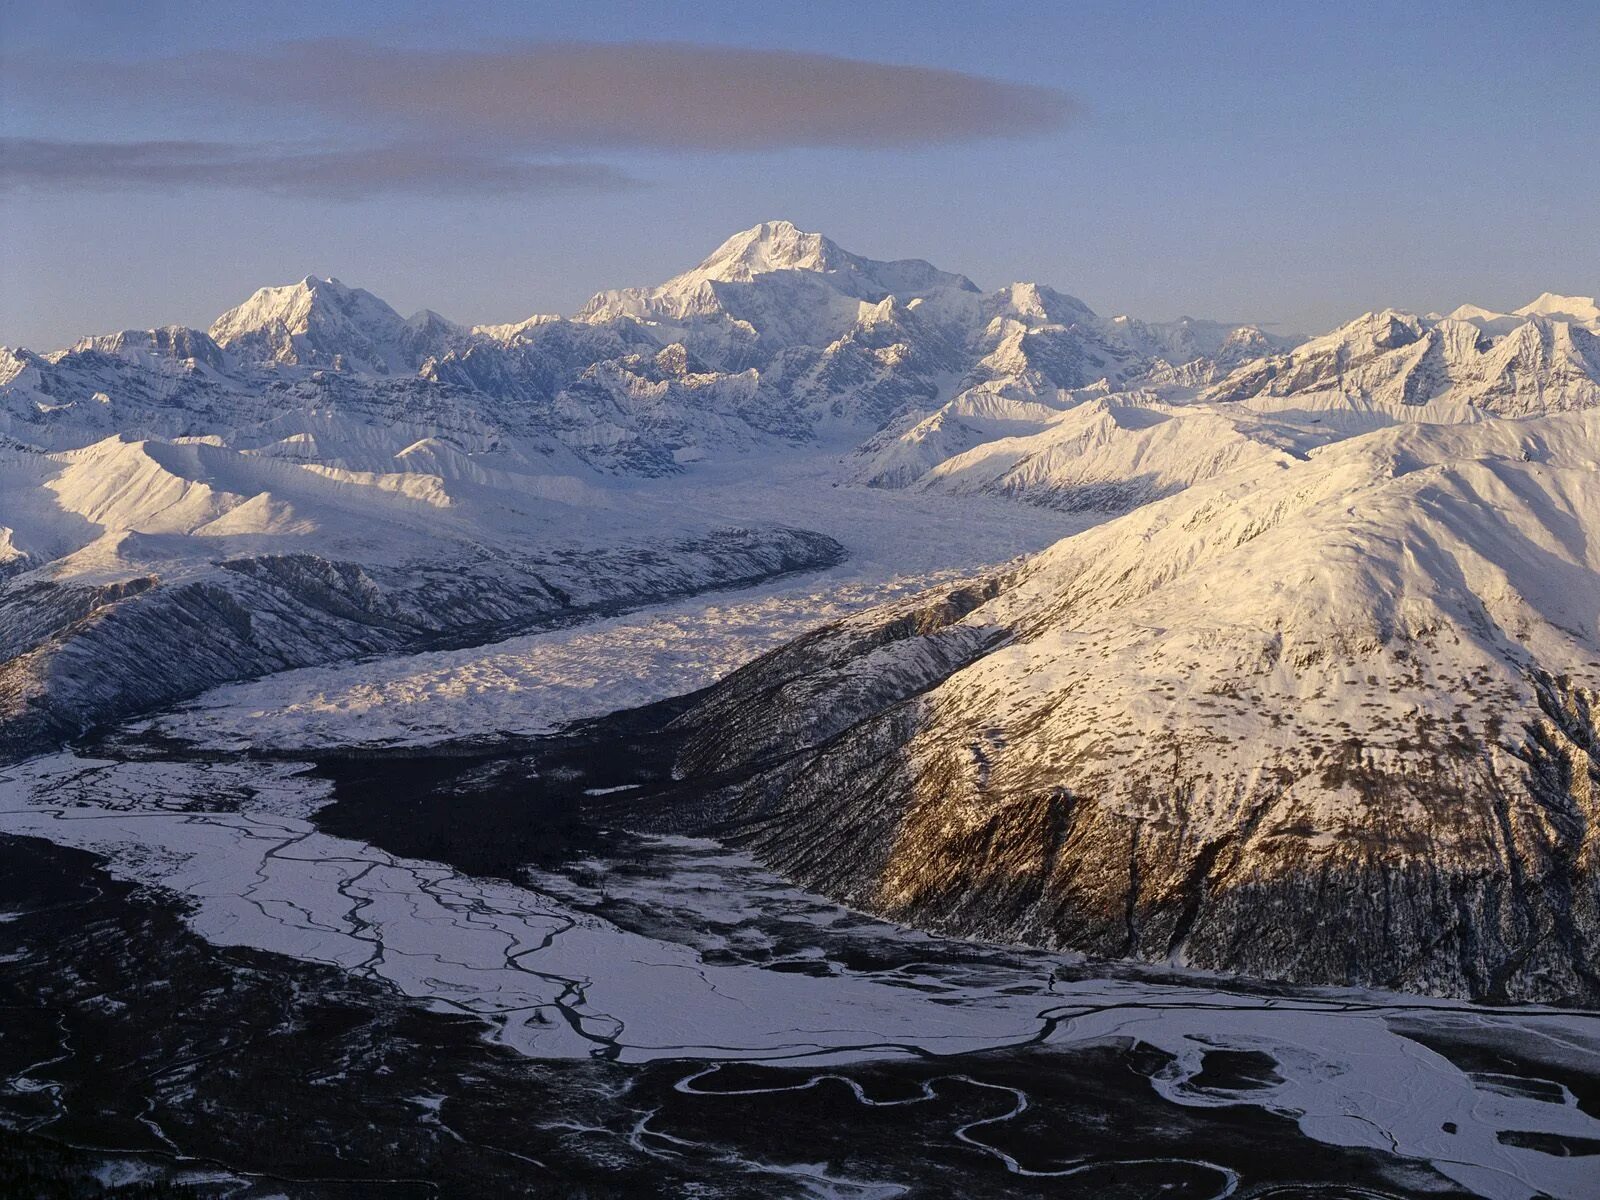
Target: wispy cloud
457, 121
346, 174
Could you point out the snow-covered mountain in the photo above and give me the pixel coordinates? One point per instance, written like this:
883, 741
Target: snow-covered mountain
806, 265
1545, 357
321, 322
314, 414
1580, 310
1330, 720
778, 338
1334, 664
1019, 433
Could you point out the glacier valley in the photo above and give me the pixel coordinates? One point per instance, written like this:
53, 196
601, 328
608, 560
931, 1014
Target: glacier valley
809, 727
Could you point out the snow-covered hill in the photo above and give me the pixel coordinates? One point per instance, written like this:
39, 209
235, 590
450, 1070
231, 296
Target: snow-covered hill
1101, 454
1323, 720
135, 571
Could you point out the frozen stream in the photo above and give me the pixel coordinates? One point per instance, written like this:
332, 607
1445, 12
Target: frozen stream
552, 977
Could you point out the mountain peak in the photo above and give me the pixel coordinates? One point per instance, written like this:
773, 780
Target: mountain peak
767, 274
313, 323
1034, 300
170, 341
772, 246
782, 246
1580, 309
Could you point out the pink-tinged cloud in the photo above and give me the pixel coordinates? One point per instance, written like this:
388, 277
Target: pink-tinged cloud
666, 96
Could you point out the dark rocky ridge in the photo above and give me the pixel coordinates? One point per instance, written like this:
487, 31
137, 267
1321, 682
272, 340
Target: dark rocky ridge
851, 810
1143, 745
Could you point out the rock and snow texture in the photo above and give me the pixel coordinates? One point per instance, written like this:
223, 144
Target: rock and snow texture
1323, 720
321, 322
1545, 357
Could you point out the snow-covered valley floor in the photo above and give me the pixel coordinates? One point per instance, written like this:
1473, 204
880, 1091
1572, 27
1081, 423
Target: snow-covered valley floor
898, 543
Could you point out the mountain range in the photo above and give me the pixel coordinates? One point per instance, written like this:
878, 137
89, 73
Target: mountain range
1323, 648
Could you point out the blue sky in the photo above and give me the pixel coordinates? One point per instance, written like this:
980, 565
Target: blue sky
1295, 163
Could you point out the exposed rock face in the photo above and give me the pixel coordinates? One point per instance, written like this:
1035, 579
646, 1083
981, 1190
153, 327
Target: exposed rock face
1329, 721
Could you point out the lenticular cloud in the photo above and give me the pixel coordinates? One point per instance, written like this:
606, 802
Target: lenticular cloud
673, 96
